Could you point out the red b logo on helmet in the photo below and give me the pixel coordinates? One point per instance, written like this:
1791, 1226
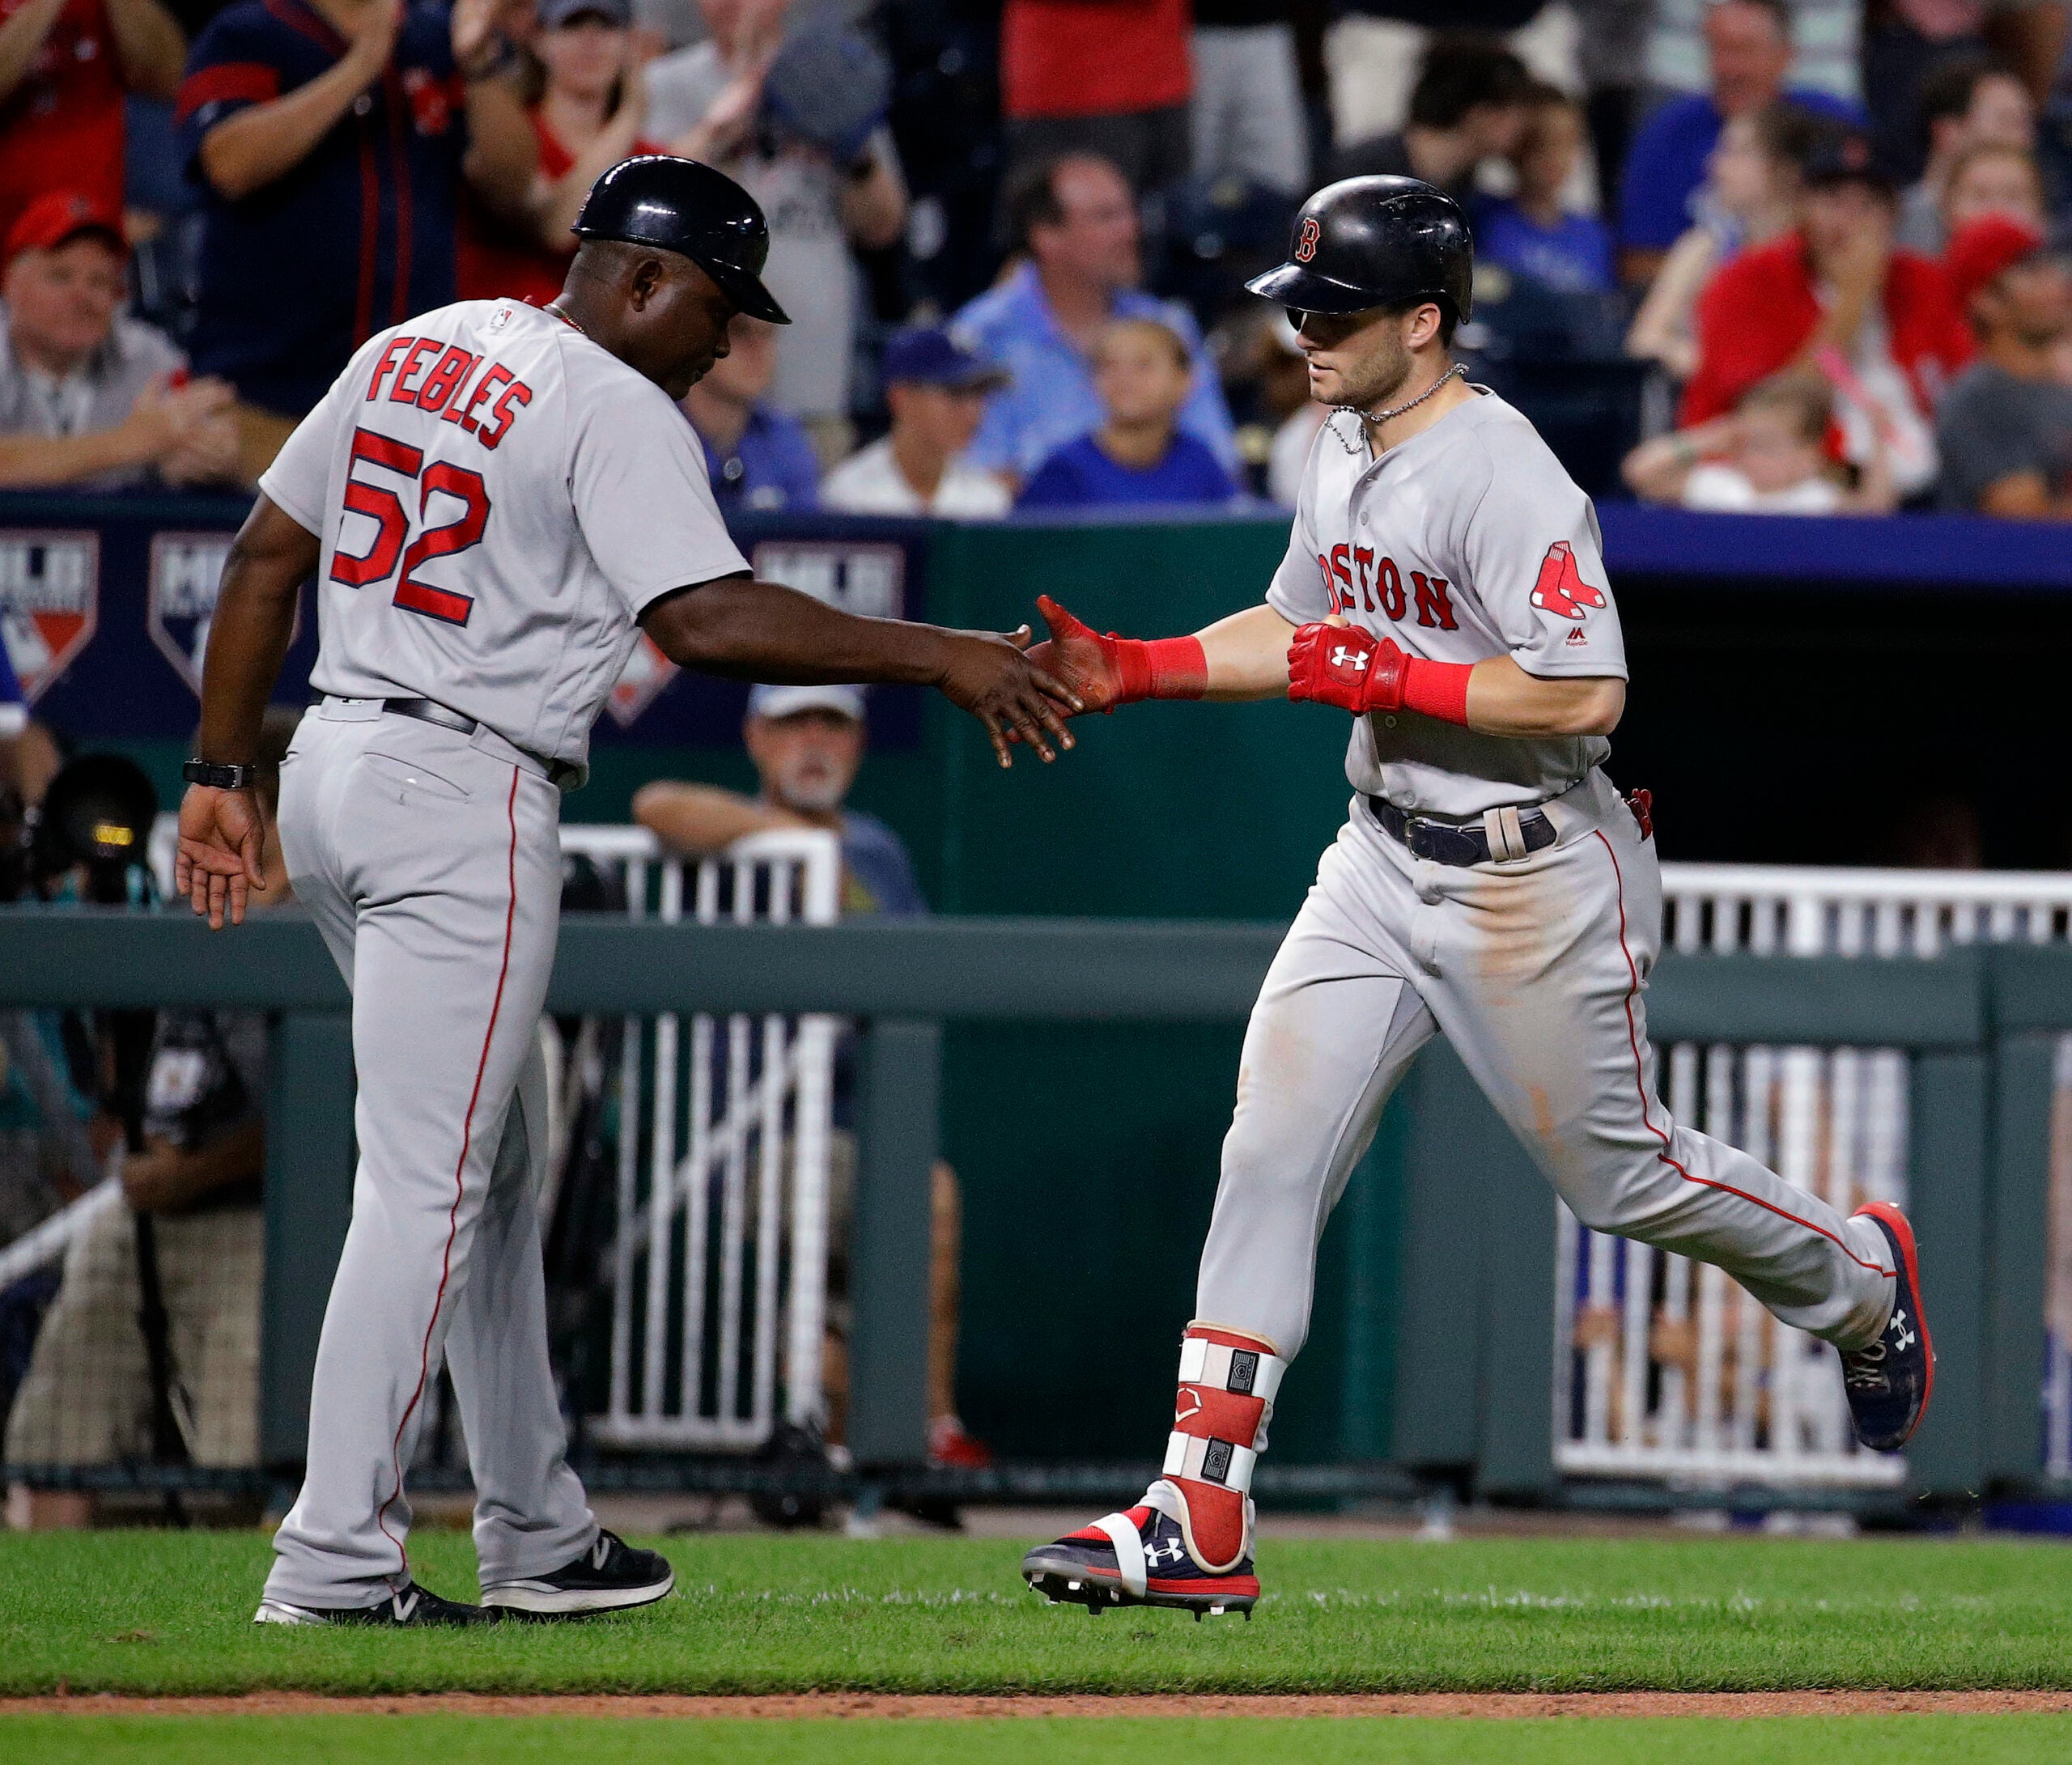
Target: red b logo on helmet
1305, 244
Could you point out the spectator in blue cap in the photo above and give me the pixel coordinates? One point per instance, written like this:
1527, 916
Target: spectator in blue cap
937, 393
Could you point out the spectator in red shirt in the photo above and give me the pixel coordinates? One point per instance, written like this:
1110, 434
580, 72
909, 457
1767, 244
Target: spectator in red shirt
1109, 77
1834, 293
65, 65
587, 114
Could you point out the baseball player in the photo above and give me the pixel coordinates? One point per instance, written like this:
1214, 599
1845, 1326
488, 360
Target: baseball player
1445, 584
496, 499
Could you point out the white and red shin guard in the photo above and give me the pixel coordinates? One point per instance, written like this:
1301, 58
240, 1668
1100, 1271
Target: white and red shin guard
1228, 1379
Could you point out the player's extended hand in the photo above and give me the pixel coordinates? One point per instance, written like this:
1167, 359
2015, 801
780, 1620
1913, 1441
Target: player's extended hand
219, 861
1336, 663
987, 675
1076, 654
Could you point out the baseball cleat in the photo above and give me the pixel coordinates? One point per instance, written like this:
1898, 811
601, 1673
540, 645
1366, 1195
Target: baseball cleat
610, 1577
1888, 1381
415, 1608
1139, 1558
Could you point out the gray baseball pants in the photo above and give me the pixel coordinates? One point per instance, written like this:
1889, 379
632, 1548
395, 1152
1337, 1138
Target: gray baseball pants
431, 862
1533, 971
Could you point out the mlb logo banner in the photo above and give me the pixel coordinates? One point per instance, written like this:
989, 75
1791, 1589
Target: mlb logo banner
180, 603
50, 602
863, 578
647, 672
866, 578
180, 598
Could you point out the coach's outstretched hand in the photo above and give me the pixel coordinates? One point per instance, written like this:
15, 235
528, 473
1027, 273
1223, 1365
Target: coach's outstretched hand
1010, 692
219, 861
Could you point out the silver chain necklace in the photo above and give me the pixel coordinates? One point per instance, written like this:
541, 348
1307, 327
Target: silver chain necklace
1378, 417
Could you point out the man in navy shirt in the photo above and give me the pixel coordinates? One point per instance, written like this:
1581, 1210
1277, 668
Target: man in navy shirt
1748, 45
329, 138
1142, 373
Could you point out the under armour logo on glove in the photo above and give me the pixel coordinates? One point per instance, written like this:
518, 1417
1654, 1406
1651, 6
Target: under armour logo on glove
1342, 665
1561, 590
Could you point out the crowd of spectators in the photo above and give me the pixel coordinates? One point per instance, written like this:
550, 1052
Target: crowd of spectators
1011, 235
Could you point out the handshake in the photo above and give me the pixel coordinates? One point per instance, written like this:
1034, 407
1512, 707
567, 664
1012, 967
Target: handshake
1330, 663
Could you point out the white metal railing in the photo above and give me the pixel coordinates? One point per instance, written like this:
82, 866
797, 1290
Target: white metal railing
721, 1254
1665, 1368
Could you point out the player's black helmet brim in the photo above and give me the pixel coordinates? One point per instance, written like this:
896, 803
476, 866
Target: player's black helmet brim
744, 288
1379, 241
1292, 286
685, 206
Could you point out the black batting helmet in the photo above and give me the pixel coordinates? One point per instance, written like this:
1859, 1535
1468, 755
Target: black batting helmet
1380, 241
686, 207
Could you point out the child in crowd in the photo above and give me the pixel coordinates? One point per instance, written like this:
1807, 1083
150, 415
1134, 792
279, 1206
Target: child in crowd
1769, 457
1993, 180
1139, 455
1750, 197
1532, 234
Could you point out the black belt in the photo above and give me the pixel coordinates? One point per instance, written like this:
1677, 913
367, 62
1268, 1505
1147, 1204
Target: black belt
430, 711
1451, 843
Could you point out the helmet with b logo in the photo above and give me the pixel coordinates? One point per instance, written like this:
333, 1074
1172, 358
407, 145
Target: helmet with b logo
1381, 241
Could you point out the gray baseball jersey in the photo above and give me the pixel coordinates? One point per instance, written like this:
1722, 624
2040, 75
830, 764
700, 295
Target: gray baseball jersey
547, 493
1467, 541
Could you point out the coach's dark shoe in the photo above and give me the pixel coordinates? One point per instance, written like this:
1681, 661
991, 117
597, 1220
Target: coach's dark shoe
609, 1576
1889, 1382
415, 1608
1140, 1558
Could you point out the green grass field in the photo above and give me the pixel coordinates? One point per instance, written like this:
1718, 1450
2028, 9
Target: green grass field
416, 1739
168, 1613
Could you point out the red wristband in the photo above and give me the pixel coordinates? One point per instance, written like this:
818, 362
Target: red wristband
1437, 689
1163, 668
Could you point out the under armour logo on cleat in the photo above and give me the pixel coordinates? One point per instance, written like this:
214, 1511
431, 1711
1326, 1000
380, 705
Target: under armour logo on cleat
599, 1551
1904, 1337
1343, 657
1171, 1551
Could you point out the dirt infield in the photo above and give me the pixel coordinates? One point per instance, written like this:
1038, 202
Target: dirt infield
840, 1704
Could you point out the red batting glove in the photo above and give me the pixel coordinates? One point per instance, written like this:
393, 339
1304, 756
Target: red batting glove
1342, 665
1106, 671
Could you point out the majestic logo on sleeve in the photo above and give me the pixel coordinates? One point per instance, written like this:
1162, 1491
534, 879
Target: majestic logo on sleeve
1561, 590
1306, 246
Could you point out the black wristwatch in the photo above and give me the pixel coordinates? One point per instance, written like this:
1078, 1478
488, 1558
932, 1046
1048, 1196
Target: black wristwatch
218, 776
